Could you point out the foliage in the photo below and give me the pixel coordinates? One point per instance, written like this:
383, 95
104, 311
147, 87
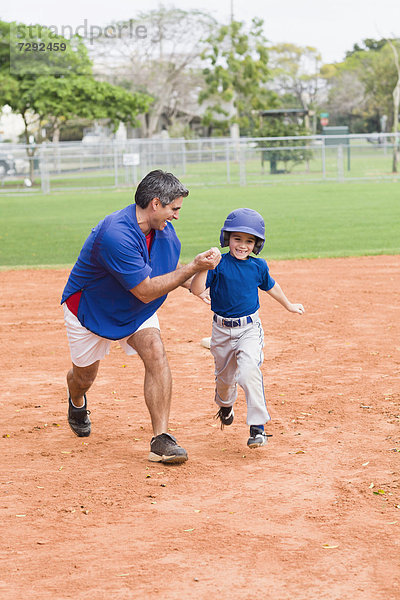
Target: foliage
295, 70
73, 59
48, 92
360, 88
367, 44
51, 92
236, 75
289, 155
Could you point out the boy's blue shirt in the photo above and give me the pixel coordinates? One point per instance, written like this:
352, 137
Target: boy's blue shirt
113, 260
234, 285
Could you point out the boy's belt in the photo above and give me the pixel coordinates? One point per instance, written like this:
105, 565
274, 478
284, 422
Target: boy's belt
239, 322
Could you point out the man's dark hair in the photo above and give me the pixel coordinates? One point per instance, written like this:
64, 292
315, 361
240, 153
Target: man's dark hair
159, 184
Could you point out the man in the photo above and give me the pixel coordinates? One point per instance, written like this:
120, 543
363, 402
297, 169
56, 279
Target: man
123, 274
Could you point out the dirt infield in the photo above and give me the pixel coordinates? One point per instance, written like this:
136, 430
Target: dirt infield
314, 516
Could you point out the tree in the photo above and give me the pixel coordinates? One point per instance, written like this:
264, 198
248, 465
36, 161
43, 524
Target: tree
369, 75
236, 76
157, 53
296, 73
396, 102
346, 99
45, 95
366, 44
275, 151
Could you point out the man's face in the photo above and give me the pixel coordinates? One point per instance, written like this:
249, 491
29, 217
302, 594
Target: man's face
162, 214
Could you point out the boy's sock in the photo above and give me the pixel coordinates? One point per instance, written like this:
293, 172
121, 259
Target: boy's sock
260, 427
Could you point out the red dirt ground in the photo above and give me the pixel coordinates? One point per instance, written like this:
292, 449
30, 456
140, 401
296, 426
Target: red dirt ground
315, 515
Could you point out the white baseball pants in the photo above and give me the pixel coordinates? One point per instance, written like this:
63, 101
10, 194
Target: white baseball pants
238, 355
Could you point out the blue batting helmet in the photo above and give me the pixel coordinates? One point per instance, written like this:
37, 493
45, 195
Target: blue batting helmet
244, 220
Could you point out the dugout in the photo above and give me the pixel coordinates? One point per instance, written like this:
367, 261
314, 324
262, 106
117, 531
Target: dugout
331, 139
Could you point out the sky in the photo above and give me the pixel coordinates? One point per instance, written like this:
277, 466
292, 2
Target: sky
331, 27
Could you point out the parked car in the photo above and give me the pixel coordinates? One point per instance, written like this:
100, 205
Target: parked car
7, 164
375, 138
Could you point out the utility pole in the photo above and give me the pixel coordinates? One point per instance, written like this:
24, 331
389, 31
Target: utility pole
234, 128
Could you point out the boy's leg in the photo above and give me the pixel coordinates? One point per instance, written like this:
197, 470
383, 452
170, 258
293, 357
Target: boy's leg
250, 356
224, 355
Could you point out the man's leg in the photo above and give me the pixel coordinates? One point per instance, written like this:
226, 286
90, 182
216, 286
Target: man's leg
157, 381
157, 393
79, 380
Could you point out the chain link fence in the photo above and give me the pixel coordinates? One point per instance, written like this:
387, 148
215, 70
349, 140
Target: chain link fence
201, 162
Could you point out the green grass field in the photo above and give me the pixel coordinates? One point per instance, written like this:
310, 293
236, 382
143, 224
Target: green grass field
302, 221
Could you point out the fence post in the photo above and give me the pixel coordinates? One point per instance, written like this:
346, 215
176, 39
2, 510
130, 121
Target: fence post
340, 166
242, 166
323, 148
44, 172
143, 158
228, 166
184, 157
115, 146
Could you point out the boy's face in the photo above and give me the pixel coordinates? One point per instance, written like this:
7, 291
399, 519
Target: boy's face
241, 244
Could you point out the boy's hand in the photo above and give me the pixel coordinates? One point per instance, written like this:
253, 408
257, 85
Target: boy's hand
208, 259
296, 308
205, 296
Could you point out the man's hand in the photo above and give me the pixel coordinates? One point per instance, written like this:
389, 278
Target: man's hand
207, 260
151, 288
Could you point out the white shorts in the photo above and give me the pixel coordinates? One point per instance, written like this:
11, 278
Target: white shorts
86, 347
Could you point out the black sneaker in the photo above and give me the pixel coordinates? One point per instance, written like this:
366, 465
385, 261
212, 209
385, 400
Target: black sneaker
78, 418
164, 448
225, 415
257, 438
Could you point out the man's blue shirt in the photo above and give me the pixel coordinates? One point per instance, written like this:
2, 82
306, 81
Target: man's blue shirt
113, 260
234, 285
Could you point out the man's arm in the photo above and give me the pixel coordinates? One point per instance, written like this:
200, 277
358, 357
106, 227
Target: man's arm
150, 289
185, 284
278, 295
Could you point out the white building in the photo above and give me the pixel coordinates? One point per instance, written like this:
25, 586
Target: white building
11, 125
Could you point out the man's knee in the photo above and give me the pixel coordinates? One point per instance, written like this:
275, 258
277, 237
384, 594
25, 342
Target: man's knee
149, 345
84, 377
156, 350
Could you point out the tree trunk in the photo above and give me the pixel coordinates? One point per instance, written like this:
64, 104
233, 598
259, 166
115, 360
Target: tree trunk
56, 134
396, 103
30, 151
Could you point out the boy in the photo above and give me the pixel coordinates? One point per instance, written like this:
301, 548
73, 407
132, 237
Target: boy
237, 339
